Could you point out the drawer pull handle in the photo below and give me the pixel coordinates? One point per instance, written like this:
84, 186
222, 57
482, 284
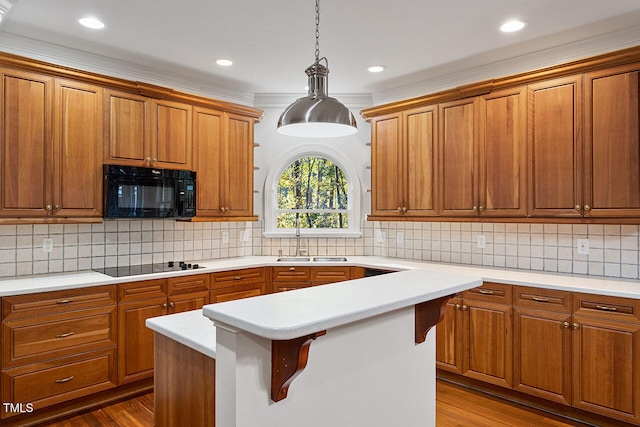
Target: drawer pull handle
605, 308
68, 334
64, 301
485, 292
538, 299
64, 380
237, 278
292, 269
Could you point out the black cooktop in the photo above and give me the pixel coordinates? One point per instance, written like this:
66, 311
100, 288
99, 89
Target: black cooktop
135, 270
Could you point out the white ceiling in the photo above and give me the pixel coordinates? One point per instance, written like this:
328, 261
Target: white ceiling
272, 42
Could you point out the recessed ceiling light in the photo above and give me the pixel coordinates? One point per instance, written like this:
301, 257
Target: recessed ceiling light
92, 23
376, 68
224, 62
511, 26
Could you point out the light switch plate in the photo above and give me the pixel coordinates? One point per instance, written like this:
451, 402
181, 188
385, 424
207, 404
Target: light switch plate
381, 236
400, 238
482, 241
47, 245
583, 246
225, 237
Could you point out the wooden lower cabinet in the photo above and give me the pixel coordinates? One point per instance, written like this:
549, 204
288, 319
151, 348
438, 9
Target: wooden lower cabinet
57, 346
139, 301
606, 356
238, 284
578, 350
289, 278
542, 343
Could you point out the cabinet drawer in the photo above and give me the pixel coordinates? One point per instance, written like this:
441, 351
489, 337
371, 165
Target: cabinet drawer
45, 384
46, 303
606, 307
138, 291
296, 274
489, 291
322, 275
225, 279
188, 284
25, 341
237, 292
542, 299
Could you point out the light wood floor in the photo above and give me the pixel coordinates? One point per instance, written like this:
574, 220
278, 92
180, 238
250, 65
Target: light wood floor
455, 406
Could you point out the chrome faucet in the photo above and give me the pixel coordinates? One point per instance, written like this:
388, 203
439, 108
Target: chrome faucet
297, 234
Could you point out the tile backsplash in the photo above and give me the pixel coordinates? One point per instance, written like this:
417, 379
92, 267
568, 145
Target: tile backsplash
613, 249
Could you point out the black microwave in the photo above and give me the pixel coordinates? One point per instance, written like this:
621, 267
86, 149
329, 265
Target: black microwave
133, 192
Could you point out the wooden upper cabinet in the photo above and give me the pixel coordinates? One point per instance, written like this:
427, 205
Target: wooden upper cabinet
386, 165
127, 128
27, 111
404, 155
555, 147
77, 151
223, 161
459, 157
237, 166
51, 147
145, 132
170, 135
612, 142
502, 153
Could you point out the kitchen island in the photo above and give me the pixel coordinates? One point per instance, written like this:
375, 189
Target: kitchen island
351, 353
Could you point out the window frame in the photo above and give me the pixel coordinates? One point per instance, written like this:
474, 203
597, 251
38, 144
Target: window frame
354, 194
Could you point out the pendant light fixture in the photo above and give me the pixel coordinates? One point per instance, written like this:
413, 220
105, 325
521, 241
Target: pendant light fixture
317, 115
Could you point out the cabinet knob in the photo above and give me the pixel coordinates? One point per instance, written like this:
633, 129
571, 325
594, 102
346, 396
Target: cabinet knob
464, 307
57, 207
164, 305
148, 159
578, 208
457, 306
587, 208
172, 304
576, 326
399, 209
475, 209
48, 208
154, 160
227, 209
481, 208
404, 209
566, 325
222, 209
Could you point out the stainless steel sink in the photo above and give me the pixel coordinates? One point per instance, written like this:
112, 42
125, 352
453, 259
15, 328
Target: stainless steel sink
294, 259
330, 259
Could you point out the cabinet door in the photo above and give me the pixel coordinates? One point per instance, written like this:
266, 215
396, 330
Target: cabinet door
612, 142
127, 128
77, 150
555, 148
26, 149
237, 292
487, 342
171, 135
502, 153
542, 354
188, 302
135, 340
236, 171
208, 151
458, 157
606, 375
449, 338
387, 192
326, 275
420, 177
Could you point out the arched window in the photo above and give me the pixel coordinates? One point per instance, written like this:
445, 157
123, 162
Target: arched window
318, 185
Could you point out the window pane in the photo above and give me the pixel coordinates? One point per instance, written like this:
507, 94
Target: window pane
314, 220
312, 183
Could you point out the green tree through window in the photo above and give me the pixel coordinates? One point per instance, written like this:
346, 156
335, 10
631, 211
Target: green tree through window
315, 188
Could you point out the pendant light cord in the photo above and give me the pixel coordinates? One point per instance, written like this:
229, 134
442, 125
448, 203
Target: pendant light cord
317, 31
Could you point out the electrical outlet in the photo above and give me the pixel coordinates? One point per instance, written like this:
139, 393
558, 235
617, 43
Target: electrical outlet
482, 241
243, 235
47, 245
583, 246
400, 238
225, 237
381, 236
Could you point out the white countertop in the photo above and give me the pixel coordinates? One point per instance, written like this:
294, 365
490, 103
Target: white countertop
289, 315
576, 283
190, 328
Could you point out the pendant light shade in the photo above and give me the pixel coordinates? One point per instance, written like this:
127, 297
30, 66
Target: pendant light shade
317, 115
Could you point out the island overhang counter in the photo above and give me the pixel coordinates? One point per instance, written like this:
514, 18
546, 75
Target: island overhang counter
371, 363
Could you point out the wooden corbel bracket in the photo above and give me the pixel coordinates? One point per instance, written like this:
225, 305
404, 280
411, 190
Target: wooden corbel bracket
427, 315
288, 359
